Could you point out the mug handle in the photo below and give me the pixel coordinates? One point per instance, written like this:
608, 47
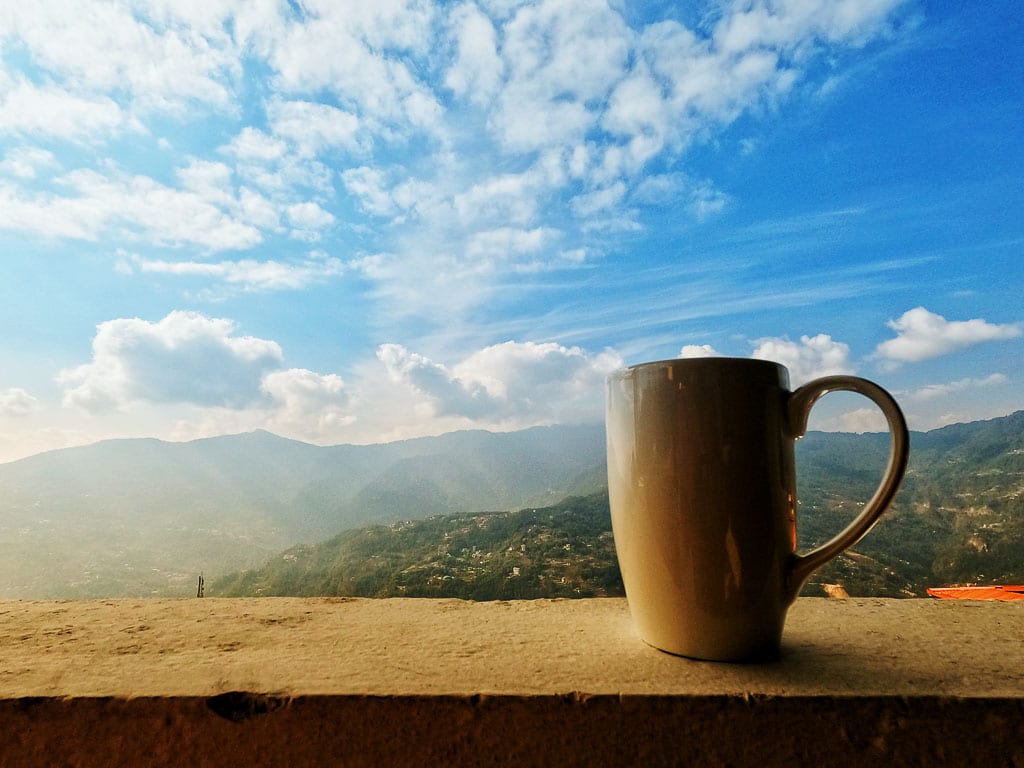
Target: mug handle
798, 410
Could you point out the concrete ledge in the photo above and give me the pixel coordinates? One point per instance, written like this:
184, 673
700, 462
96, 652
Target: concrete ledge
442, 682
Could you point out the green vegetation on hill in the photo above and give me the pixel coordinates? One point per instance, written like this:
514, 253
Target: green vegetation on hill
560, 551
134, 518
142, 517
959, 518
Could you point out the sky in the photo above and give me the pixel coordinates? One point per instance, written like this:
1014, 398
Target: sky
347, 222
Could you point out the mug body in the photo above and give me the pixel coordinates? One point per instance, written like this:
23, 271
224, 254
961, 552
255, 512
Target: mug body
703, 498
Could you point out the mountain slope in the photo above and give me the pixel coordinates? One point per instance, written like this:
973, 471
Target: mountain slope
940, 530
140, 517
561, 551
137, 517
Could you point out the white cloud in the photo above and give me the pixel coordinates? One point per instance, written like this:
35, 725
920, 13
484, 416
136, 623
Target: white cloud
249, 274
308, 403
184, 358
510, 198
314, 127
861, 420
697, 350
286, 177
407, 200
639, 112
212, 181
479, 130
922, 335
478, 70
789, 25
256, 210
706, 201
112, 47
591, 203
701, 198
361, 53
514, 382
811, 357
939, 391
369, 187
50, 215
308, 220
507, 243
132, 206
253, 144
16, 403
31, 110
561, 58
26, 162
581, 106
309, 216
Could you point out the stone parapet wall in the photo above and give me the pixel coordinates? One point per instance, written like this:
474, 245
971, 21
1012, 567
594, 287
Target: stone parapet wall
441, 682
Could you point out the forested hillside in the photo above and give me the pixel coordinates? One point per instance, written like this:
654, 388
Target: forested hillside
145, 517
560, 551
959, 518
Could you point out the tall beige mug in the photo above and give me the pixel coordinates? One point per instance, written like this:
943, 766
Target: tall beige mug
703, 497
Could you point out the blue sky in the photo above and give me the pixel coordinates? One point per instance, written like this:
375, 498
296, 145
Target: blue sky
346, 223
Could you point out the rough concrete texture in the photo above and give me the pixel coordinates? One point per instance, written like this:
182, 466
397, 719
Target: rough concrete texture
442, 682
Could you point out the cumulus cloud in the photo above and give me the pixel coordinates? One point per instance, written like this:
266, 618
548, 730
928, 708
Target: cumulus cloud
698, 350
513, 382
16, 402
861, 420
309, 216
308, 403
200, 369
184, 358
811, 357
921, 335
253, 144
560, 58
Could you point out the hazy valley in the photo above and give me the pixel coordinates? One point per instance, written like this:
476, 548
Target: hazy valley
472, 514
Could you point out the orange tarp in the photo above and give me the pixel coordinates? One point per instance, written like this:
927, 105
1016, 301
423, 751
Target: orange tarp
979, 593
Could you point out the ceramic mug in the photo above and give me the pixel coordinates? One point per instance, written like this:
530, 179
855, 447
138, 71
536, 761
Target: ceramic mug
703, 498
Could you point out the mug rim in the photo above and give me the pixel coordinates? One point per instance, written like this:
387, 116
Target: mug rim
695, 361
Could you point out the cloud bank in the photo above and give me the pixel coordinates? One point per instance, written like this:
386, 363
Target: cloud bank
511, 383
467, 144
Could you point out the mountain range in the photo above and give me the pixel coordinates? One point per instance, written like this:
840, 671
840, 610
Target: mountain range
959, 518
145, 517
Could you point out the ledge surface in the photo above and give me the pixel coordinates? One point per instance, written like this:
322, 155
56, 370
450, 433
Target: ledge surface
408, 647
313, 682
